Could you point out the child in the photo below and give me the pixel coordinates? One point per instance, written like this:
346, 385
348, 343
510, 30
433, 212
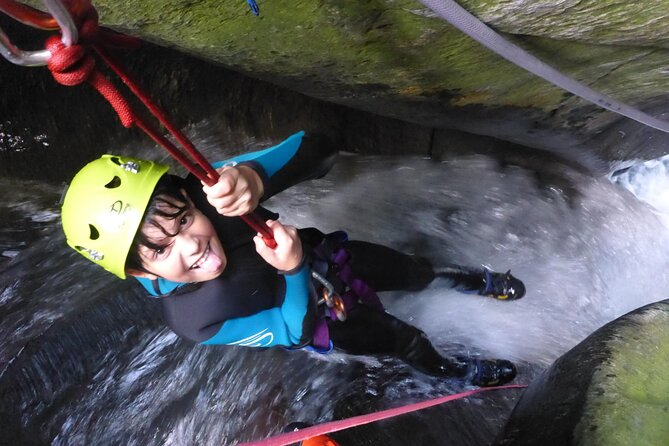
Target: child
220, 284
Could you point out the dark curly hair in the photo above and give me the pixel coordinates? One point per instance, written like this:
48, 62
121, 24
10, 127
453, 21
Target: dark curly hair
167, 201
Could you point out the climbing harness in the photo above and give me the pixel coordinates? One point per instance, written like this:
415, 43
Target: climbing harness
338, 289
71, 62
456, 15
335, 426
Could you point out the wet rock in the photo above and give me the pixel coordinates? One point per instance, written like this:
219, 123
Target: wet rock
610, 389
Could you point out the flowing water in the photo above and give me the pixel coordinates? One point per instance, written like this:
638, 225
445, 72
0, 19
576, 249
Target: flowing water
85, 358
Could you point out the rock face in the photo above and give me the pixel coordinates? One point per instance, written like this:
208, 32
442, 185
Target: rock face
610, 389
396, 59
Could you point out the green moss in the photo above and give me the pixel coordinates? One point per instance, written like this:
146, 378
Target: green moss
628, 402
390, 48
350, 42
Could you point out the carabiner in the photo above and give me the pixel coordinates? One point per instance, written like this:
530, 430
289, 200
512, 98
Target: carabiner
336, 304
330, 297
326, 285
36, 19
20, 57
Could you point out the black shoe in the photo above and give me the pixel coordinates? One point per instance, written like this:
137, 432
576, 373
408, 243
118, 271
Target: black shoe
501, 286
491, 372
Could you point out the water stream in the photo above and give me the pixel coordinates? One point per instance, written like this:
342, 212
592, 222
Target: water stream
85, 358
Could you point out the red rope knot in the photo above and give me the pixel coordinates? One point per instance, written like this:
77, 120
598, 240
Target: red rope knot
73, 65
69, 65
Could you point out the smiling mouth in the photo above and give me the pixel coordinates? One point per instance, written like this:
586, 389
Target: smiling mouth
202, 258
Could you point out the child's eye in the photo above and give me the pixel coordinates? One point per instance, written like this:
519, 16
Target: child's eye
161, 252
185, 220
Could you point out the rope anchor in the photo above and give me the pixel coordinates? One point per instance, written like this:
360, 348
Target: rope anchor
71, 62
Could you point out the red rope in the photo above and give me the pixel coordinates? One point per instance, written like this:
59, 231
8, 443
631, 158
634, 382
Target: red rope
209, 176
334, 426
75, 65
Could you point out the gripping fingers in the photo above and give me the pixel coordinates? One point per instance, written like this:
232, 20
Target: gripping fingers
233, 206
288, 253
232, 195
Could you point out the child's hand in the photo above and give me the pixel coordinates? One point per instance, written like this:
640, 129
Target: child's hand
237, 191
288, 252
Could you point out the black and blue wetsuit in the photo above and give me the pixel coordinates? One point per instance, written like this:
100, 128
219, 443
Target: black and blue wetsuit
252, 304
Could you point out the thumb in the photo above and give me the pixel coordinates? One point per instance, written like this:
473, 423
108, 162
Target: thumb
260, 244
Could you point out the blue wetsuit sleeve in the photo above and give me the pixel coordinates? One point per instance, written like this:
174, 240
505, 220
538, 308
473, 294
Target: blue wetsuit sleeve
300, 157
287, 325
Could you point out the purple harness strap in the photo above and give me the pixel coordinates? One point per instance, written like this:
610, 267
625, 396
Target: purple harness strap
358, 293
320, 340
359, 290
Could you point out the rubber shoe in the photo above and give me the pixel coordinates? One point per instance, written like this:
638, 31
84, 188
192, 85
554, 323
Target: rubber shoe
501, 286
491, 372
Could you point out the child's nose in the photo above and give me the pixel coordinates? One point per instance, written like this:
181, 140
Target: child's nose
190, 244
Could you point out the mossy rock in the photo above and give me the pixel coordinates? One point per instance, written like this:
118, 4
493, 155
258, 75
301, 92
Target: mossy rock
397, 59
612, 389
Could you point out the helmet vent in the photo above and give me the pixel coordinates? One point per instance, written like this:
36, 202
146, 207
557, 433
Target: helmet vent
95, 234
114, 183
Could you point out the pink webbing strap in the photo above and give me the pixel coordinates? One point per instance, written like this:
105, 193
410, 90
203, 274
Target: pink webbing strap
334, 426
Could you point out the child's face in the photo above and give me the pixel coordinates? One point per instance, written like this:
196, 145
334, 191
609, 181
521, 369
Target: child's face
195, 254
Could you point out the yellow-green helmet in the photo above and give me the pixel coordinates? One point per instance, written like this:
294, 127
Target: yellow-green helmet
104, 206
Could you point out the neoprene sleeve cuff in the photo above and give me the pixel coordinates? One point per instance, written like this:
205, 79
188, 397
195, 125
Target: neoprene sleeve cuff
295, 270
263, 177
